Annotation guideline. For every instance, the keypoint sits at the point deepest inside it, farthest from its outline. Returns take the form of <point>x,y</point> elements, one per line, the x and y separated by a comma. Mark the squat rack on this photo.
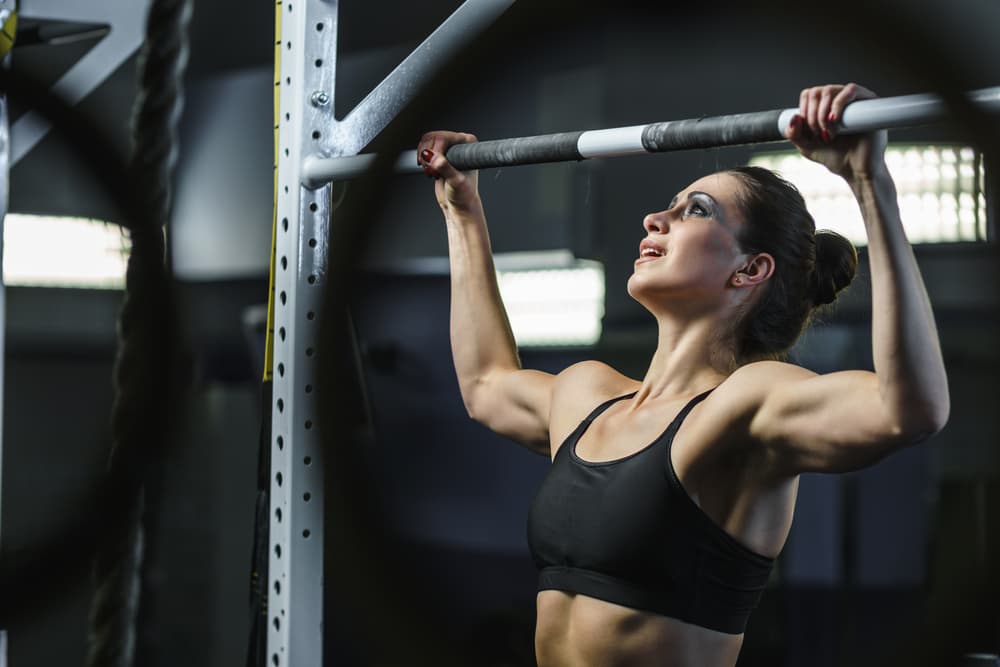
<point>313,147</point>
<point>306,54</point>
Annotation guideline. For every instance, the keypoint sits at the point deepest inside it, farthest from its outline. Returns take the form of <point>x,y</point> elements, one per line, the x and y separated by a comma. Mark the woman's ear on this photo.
<point>757,270</point>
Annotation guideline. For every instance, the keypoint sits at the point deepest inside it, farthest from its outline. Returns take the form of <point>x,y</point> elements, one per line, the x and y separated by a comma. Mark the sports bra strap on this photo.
<point>596,412</point>
<point>693,402</point>
<point>679,419</point>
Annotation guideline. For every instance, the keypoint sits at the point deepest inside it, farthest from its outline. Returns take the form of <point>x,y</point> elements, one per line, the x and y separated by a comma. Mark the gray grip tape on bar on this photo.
<point>746,128</point>
<point>507,152</point>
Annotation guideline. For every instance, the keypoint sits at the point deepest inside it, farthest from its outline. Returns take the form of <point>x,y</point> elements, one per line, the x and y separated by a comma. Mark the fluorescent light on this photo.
<point>552,299</point>
<point>55,251</point>
<point>940,192</point>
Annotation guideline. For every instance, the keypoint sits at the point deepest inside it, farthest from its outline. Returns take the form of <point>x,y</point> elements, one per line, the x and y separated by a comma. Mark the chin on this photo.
<point>637,290</point>
<point>632,287</point>
<point>639,282</point>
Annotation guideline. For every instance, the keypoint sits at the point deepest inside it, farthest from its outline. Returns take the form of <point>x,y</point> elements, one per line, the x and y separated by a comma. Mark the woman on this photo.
<point>654,545</point>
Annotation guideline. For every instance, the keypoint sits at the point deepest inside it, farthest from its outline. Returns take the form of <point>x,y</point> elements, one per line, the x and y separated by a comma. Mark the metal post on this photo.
<point>7,18</point>
<point>7,9</point>
<point>308,35</point>
<point>307,126</point>
<point>711,132</point>
<point>4,184</point>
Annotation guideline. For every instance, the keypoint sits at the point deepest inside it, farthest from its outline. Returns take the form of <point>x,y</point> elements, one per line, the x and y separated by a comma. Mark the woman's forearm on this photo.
<point>905,346</point>
<point>481,338</point>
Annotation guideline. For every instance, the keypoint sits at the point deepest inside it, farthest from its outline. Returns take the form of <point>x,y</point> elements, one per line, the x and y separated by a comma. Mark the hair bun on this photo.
<point>836,264</point>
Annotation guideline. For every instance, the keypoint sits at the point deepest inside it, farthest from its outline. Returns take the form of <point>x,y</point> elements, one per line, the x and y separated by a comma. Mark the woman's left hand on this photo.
<point>814,132</point>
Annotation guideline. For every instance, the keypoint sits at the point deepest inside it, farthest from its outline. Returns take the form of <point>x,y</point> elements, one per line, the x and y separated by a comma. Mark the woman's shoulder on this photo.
<point>720,425</point>
<point>579,389</point>
<point>749,385</point>
<point>765,371</point>
<point>588,379</point>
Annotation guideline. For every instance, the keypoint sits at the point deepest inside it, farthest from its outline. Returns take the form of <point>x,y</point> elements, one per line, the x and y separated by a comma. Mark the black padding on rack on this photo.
<point>732,130</point>
<point>559,147</point>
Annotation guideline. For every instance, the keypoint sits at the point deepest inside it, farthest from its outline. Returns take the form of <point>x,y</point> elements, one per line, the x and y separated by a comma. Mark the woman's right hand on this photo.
<point>456,190</point>
<point>813,131</point>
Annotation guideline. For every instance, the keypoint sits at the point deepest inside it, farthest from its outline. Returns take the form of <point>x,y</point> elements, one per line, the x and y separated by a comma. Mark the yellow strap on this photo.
<point>8,33</point>
<point>269,342</point>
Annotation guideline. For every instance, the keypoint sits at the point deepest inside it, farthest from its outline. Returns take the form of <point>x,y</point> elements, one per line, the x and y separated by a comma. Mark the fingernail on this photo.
<point>832,117</point>
<point>826,136</point>
<point>427,155</point>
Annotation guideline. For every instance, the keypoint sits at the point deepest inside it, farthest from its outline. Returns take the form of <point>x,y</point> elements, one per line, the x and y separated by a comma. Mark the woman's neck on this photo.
<point>689,358</point>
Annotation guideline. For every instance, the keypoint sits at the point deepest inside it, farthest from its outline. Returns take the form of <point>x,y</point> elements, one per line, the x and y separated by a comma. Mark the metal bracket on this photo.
<point>363,123</point>
<point>127,20</point>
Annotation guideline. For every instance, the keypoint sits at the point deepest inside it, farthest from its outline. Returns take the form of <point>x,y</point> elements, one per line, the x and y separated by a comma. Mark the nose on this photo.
<point>656,222</point>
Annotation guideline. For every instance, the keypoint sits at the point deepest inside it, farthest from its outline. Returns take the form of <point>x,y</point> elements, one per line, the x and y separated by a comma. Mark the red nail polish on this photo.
<point>832,117</point>
<point>826,136</point>
<point>427,155</point>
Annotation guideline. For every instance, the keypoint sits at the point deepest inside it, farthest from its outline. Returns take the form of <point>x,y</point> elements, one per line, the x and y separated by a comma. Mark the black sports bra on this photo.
<point>626,531</point>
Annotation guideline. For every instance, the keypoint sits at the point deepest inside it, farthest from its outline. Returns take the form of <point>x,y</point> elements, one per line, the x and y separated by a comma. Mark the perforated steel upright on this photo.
<point>295,606</point>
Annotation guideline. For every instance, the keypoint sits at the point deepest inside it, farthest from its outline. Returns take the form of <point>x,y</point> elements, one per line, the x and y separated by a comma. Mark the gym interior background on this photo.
<point>866,548</point>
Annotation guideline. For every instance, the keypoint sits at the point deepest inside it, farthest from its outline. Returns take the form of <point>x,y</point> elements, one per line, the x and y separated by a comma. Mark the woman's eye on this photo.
<point>696,209</point>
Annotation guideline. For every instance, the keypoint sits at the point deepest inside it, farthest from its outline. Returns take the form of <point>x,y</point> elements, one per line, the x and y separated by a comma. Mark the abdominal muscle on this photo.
<point>581,631</point>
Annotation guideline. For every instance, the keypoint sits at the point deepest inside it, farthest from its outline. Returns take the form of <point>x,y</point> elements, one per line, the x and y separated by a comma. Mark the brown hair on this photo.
<point>811,266</point>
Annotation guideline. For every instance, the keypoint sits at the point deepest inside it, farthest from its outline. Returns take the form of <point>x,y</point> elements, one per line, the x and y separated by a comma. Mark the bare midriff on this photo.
<point>580,631</point>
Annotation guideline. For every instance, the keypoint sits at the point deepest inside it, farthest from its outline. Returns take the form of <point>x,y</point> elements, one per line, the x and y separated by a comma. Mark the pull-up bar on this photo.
<point>710,132</point>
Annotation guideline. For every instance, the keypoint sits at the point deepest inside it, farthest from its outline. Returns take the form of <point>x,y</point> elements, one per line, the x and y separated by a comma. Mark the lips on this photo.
<point>648,250</point>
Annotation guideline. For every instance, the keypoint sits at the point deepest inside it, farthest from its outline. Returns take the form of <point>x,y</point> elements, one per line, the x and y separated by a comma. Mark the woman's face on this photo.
<point>690,251</point>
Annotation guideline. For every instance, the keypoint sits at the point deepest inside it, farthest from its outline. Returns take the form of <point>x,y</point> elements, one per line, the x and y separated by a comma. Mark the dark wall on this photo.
<point>60,349</point>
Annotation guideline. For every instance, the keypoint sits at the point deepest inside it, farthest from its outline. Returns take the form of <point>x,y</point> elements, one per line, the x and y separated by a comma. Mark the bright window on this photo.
<point>940,188</point>
<point>50,251</point>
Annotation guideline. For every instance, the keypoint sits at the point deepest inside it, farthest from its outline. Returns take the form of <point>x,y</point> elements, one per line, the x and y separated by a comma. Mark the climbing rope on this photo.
<point>146,369</point>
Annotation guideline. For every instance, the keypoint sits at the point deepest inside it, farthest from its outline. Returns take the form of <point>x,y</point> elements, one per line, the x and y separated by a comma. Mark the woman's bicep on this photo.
<point>827,423</point>
<point>515,404</point>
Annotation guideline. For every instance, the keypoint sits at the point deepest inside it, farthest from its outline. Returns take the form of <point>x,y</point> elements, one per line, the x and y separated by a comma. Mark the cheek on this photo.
<point>719,251</point>
<point>719,242</point>
<point>706,250</point>
<point>705,264</point>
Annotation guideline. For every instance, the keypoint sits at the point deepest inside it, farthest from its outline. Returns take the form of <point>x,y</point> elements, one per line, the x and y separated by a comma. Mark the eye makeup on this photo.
<point>705,200</point>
